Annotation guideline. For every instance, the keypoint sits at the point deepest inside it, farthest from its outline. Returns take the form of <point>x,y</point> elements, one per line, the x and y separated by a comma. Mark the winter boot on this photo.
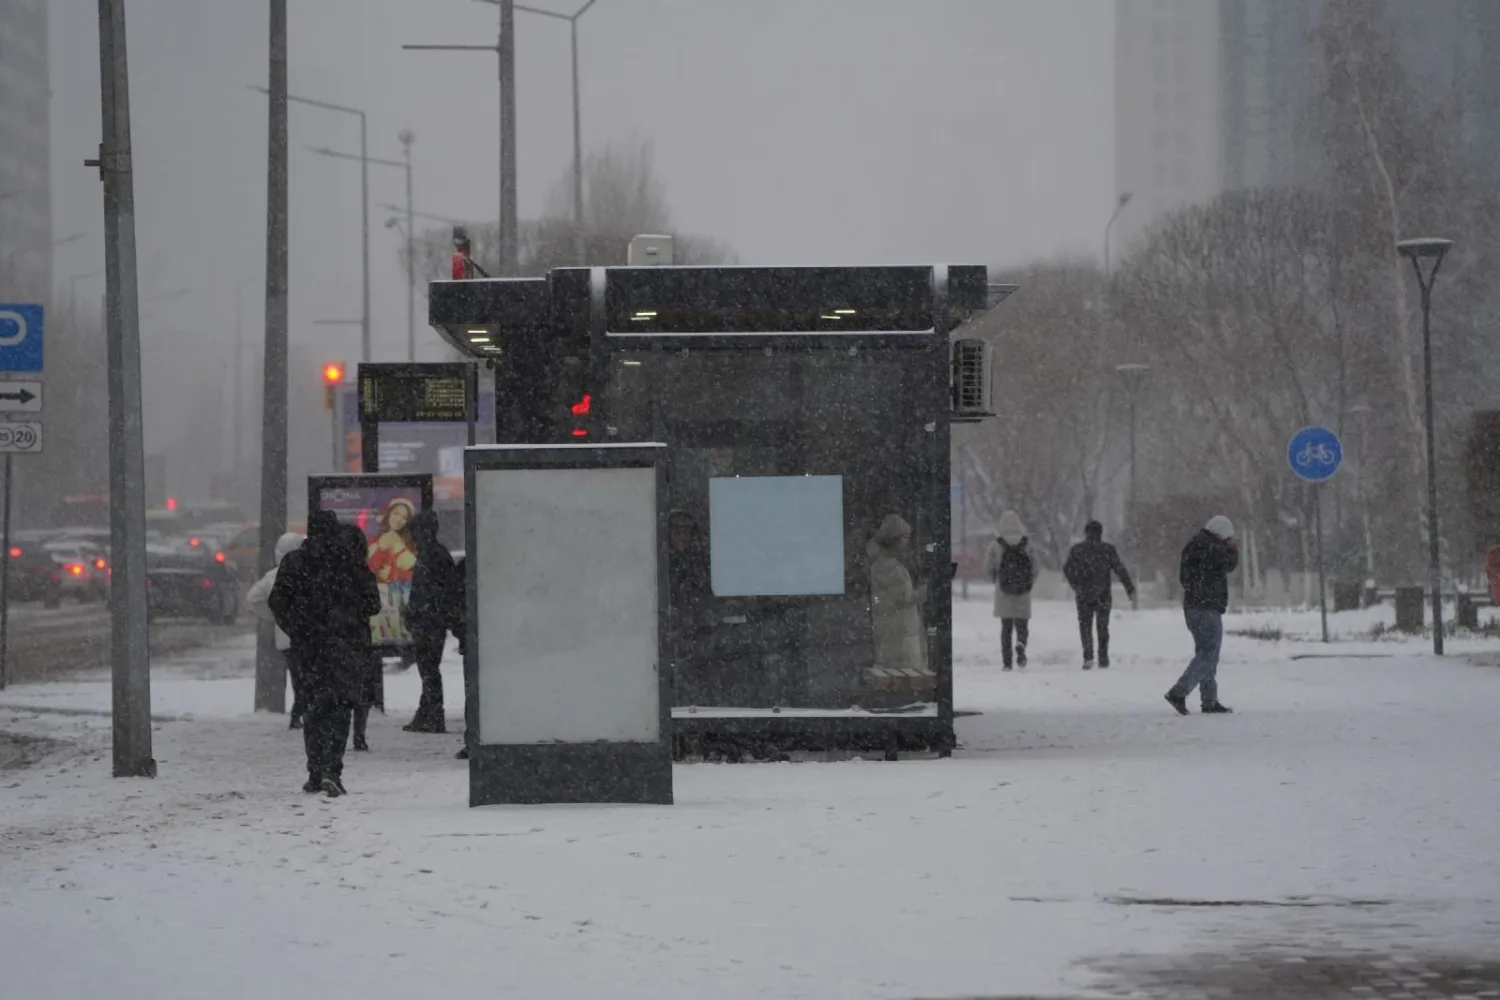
<point>1021,657</point>
<point>1088,664</point>
<point>361,720</point>
<point>462,754</point>
<point>333,788</point>
<point>1178,702</point>
<point>1217,708</point>
<point>314,784</point>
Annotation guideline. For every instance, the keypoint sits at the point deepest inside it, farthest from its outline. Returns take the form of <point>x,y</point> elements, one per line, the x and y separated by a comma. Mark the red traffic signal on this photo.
<point>333,373</point>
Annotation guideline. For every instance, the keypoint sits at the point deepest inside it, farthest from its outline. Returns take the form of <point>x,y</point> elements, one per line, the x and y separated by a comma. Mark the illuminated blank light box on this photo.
<point>776,536</point>
<point>568,698</point>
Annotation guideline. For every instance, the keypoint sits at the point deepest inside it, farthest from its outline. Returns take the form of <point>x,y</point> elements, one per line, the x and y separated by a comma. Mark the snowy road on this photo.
<point>1350,806</point>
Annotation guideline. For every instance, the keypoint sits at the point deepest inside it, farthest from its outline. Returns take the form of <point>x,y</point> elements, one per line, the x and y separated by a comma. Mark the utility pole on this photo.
<point>238,419</point>
<point>505,49</point>
<point>407,137</point>
<point>270,680</point>
<point>129,634</point>
<point>509,237</point>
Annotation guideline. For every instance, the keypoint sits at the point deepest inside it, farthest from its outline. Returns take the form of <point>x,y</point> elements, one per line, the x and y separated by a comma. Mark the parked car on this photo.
<point>191,581</point>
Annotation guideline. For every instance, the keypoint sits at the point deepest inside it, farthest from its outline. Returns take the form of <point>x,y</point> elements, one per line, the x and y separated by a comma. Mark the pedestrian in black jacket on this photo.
<point>1090,570</point>
<point>435,587</point>
<point>324,598</point>
<point>1207,561</point>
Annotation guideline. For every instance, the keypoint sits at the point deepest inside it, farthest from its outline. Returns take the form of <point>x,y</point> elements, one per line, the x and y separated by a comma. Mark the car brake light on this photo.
<point>218,557</point>
<point>193,542</point>
<point>208,584</point>
<point>75,568</point>
<point>15,552</point>
<point>99,564</point>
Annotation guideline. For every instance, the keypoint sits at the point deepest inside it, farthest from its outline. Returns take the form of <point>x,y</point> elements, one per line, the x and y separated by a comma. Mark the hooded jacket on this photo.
<point>436,587</point>
<point>258,598</point>
<point>895,604</point>
<point>1207,561</point>
<point>324,598</point>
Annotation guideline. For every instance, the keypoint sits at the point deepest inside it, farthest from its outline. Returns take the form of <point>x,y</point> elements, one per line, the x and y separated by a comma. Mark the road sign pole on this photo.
<point>1317,492</point>
<point>1315,454</point>
<point>5,576</point>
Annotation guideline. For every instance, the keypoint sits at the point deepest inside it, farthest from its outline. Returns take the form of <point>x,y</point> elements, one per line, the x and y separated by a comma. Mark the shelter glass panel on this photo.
<point>853,421</point>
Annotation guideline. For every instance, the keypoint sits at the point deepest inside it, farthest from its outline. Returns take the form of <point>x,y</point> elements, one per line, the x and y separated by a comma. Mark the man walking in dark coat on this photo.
<point>1090,570</point>
<point>1207,561</point>
<point>324,598</point>
<point>435,586</point>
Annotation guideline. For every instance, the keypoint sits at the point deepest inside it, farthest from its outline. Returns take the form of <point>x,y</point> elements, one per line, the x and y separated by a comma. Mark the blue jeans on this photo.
<point>1207,628</point>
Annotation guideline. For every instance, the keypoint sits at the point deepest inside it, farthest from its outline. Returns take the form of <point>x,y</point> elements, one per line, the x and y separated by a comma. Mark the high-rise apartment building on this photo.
<point>25,152</point>
<point>1215,95</point>
<point>1167,108</point>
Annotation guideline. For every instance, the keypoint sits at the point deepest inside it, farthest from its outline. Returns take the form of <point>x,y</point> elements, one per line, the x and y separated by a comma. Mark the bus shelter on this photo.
<point>806,416</point>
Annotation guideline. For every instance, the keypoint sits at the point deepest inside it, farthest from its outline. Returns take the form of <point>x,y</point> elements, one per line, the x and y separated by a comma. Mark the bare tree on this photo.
<point>1049,454</point>
<point>623,197</point>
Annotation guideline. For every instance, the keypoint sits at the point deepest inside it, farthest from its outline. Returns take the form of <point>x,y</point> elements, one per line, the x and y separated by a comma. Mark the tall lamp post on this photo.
<point>407,138</point>
<point>1132,374</point>
<point>364,208</point>
<point>1124,200</point>
<point>1362,411</point>
<point>580,247</point>
<point>1418,251</point>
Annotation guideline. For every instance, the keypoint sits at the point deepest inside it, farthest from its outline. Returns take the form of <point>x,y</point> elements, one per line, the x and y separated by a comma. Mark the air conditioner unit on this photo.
<point>649,251</point>
<point>971,380</point>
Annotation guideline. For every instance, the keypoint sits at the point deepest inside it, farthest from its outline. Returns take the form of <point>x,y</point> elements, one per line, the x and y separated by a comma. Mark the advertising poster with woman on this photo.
<point>383,507</point>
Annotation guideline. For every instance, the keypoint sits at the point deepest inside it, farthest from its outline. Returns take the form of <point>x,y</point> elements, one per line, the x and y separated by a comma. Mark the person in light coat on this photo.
<point>258,600</point>
<point>895,603</point>
<point>1009,565</point>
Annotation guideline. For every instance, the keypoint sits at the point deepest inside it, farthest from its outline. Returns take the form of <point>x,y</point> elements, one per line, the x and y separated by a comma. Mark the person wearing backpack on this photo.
<point>1009,565</point>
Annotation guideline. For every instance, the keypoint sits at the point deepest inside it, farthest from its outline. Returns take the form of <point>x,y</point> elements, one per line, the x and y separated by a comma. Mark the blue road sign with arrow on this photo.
<point>20,337</point>
<point>1315,454</point>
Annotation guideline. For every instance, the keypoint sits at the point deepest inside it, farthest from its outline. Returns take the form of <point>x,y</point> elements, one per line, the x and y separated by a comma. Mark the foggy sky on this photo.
<point>794,131</point>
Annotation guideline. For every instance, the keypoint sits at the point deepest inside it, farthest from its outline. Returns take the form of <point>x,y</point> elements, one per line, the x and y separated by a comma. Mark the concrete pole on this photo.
<point>129,631</point>
<point>270,678</point>
<point>509,227</point>
<point>580,245</point>
<point>364,229</point>
<point>407,138</point>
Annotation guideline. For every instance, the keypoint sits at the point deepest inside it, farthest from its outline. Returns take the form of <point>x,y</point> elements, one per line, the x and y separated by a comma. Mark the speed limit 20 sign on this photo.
<point>22,437</point>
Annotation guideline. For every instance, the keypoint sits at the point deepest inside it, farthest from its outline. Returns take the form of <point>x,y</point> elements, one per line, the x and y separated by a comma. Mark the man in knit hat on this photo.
<point>1207,561</point>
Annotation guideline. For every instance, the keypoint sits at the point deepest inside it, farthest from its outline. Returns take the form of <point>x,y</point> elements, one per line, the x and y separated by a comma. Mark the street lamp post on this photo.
<point>1361,492</point>
<point>364,208</point>
<point>1419,250</point>
<point>407,138</point>
<point>580,248</point>
<point>1132,373</point>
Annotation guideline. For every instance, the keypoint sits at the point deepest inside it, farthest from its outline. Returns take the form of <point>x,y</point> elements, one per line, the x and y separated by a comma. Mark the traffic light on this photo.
<point>333,377</point>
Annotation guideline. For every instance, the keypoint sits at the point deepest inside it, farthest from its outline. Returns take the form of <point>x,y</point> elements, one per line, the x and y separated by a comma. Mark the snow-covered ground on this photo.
<point>1078,804</point>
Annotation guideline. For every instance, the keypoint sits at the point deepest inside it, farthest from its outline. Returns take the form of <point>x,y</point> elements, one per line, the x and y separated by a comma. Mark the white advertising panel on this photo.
<point>566,567</point>
<point>776,536</point>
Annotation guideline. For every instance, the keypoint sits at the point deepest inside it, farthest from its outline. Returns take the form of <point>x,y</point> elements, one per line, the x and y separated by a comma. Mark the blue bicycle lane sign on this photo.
<point>1315,454</point>
<point>20,337</point>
